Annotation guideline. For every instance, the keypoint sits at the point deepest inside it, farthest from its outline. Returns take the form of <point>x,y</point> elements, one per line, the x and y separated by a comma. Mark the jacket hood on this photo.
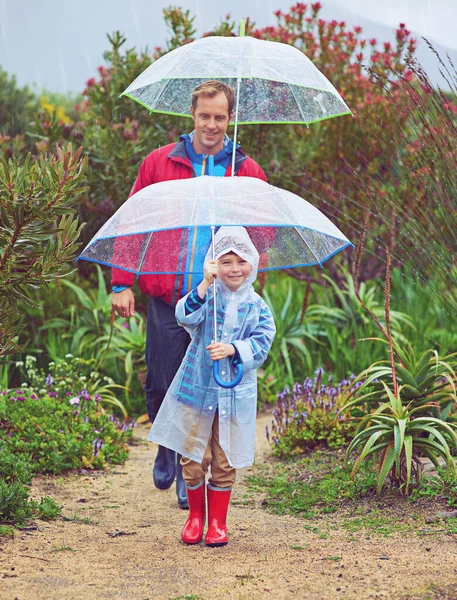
<point>221,156</point>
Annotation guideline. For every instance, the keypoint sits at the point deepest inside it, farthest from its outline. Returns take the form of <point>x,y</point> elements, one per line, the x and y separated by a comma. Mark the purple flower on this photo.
<point>49,380</point>
<point>98,445</point>
<point>33,397</point>
<point>52,394</point>
<point>74,400</point>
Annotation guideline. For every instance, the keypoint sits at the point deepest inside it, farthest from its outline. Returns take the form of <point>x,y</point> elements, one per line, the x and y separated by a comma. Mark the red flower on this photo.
<point>358,29</point>
<point>408,75</point>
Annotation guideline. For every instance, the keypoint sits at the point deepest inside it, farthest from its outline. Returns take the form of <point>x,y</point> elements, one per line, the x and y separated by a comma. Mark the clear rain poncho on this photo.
<point>185,419</point>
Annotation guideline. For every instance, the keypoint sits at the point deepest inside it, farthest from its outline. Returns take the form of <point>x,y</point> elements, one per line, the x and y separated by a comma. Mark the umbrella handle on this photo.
<point>227,384</point>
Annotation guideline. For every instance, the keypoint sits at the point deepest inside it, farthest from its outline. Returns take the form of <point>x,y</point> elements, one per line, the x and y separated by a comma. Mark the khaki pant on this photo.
<point>222,474</point>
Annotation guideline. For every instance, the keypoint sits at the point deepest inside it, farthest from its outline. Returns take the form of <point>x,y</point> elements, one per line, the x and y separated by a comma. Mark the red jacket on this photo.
<point>165,164</point>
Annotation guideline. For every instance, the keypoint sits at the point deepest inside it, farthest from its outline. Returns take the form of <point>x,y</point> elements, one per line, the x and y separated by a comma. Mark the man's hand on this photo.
<point>124,303</point>
<point>220,350</point>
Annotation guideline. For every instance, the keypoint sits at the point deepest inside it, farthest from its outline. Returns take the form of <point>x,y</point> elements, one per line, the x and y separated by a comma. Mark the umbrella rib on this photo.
<point>297,102</point>
<point>143,254</point>
<point>307,245</point>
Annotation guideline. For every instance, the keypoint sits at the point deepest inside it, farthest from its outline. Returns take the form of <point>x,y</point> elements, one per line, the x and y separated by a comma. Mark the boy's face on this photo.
<point>233,270</point>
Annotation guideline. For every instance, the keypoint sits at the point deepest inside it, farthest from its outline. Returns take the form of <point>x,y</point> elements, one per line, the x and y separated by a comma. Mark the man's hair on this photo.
<point>211,88</point>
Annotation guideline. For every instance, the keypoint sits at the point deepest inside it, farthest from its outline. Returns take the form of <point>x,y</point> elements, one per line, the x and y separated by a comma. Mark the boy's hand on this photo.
<point>210,270</point>
<point>220,350</point>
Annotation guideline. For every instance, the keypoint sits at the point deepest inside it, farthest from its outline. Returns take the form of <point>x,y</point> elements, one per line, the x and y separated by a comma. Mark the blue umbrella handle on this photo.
<point>227,384</point>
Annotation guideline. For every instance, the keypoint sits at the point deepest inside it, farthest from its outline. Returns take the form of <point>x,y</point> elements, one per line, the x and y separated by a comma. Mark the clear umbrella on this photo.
<point>149,234</point>
<point>275,82</point>
<point>279,84</point>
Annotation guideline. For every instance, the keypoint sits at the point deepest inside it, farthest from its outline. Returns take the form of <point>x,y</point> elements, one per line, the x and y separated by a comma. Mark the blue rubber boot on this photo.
<point>164,471</point>
<point>181,485</point>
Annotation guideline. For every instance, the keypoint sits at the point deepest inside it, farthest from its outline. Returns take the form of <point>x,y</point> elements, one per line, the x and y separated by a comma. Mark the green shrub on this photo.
<point>15,505</point>
<point>52,428</point>
<point>55,435</point>
<point>74,378</point>
<point>39,231</point>
<point>308,416</point>
<point>403,415</point>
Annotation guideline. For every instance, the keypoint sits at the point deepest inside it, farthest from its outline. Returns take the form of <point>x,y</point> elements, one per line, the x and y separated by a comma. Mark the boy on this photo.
<point>208,424</point>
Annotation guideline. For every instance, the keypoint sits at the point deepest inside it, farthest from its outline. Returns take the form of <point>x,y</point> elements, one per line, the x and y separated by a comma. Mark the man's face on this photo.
<point>211,119</point>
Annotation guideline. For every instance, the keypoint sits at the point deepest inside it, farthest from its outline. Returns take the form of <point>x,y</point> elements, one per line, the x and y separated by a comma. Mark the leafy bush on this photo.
<point>39,229</point>
<point>54,424</point>
<point>55,435</point>
<point>322,325</point>
<point>404,415</point>
<point>75,318</point>
<point>73,378</point>
<point>309,417</point>
<point>15,505</point>
<point>20,102</point>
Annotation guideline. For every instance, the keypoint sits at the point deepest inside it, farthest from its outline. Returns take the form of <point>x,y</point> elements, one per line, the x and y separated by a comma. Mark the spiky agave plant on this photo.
<point>400,434</point>
<point>408,401</point>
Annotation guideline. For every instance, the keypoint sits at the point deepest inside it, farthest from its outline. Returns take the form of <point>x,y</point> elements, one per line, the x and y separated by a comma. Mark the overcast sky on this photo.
<point>58,44</point>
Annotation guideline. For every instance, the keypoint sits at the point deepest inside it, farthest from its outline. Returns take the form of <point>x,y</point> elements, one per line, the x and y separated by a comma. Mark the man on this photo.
<point>206,151</point>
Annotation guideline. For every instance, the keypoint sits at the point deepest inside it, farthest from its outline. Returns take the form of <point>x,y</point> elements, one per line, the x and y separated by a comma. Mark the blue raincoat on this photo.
<point>194,400</point>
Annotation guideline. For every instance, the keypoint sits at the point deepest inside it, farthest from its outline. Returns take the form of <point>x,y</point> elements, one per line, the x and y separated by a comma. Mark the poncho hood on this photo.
<point>235,239</point>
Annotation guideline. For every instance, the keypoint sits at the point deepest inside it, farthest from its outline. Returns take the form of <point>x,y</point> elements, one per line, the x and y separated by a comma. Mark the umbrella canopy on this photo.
<point>144,235</point>
<point>277,83</point>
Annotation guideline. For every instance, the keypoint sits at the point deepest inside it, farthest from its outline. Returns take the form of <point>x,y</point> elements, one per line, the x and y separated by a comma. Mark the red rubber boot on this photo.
<point>218,503</point>
<point>193,528</point>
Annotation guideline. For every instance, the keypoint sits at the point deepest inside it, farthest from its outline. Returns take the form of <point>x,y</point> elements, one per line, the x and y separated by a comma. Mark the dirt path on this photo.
<point>268,556</point>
